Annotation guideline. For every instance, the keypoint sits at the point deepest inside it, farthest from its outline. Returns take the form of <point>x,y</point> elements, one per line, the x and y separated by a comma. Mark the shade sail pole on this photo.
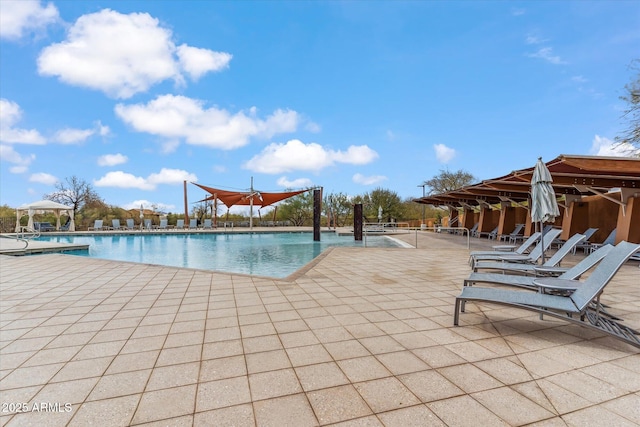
<point>251,206</point>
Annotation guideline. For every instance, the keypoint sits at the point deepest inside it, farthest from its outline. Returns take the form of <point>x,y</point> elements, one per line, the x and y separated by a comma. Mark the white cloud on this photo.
<point>602,146</point>
<point>122,179</point>
<point>444,154</point>
<point>296,183</point>
<point>43,178</point>
<point>10,115</point>
<point>368,180</point>
<point>579,79</point>
<point>20,17</point>
<point>8,154</point>
<point>313,127</point>
<point>197,62</point>
<point>122,55</point>
<point>296,155</point>
<point>180,118</point>
<point>71,136</point>
<point>219,168</point>
<point>517,12</point>
<point>112,159</point>
<point>546,53</point>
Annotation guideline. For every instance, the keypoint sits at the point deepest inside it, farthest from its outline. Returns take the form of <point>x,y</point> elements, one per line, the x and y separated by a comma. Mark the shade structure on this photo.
<point>44,206</point>
<point>257,198</point>
<point>544,206</point>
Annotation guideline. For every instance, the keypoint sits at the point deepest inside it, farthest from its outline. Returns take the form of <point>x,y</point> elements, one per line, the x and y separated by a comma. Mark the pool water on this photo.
<point>265,254</point>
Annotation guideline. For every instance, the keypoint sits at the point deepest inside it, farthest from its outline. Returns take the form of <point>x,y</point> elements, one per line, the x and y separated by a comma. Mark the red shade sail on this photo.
<point>259,198</point>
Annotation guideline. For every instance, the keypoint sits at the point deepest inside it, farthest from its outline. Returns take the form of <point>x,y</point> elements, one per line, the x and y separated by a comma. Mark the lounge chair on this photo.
<point>115,224</point>
<point>530,258</point>
<point>130,224</point>
<point>193,223</point>
<point>527,281</point>
<point>610,240</point>
<point>163,224</point>
<point>97,225</point>
<point>577,307</point>
<point>493,234</point>
<point>180,224</point>
<point>515,233</point>
<point>472,230</point>
<point>147,224</point>
<point>521,250</point>
<point>525,266</point>
<point>207,225</point>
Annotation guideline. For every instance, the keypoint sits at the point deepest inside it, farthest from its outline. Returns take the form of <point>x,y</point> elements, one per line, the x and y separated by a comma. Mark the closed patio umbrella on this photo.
<point>544,206</point>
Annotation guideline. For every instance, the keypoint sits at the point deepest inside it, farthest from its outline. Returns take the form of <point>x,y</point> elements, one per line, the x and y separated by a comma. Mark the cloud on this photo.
<point>122,179</point>
<point>196,62</point>
<point>10,115</point>
<point>296,155</point>
<point>180,118</point>
<point>518,12</point>
<point>122,55</point>
<point>20,17</point>
<point>546,53</point>
<point>70,136</point>
<point>219,168</point>
<point>43,178</point>
<point>296,183</point>
<point>579,79</point>
<point>8,154</point>
<point>112,159</point>
<point>444,154</point>
<point>368,180</point>
<point>602,146</point>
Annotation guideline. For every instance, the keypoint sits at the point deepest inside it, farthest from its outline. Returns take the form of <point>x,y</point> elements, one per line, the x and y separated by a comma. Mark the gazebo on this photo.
<point>44,206</point>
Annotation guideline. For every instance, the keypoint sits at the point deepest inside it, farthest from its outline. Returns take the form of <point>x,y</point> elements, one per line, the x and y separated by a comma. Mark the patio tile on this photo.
<point>551,397</point>
<point>469,378</point>
<point>593,389</point>
<point>587,416</point>
<point>417,416</point>
<point>177,355</point>
<point>380,345</point>
<point>143,344</point>
<point>173,376</point>
<point>75,391</point>
<point>346,349</point>
<point>338,404</point>
<point>133,362</point>
<point>259,344</point>
<point>321,375</point>
<point>225,367</point>
<point>232,416</point>
<point>430,385</point>
<point>166,403</point>
<point>464,411</point>
<point>386,394</point>
<point>109,412</point>
<point>308,355</point>
<point>267,385</point>
<point>286,411</point>
<point>298,339</point>
<point>215,350</point>
<point>121,384</point>
<point>222,393</point>
<point>43,357</point>
<point>363,369</point>
<point>267,361</point>
<point>257,330</point>
<point>295,325</point>
<point>511,406</point>
<point>504,370</point>
<point>626,406</point>
<point>402,362</point>
<point>25,377</point>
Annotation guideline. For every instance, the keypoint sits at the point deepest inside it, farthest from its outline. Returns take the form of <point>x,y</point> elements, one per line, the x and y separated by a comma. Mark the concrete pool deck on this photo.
<point>363,337</point>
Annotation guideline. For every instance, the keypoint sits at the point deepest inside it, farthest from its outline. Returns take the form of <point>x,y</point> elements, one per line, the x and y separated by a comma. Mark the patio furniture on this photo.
<point>581,306</point>
<point>130,224</point>
<point>193,224</point>
<point>610,240</point>
<point>163,224</point>
<point>548,268</point>
<point>207,224</point>
<point>97,225</point>
<point>515,233</point>
<point>477,255</point>
<point>115,225</point>
<point>180,224</point>
<point>527,281</point>
<point>147,224</point>
<point>530,258</point>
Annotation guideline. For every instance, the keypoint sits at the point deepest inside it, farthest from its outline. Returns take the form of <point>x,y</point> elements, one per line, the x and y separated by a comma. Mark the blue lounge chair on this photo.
<point>180,224</point>
<point>193,223</point>
<point>97,225</point>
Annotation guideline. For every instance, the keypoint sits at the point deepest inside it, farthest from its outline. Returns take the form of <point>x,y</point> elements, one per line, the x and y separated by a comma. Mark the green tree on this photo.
<point>340,206</point>
<point>75,192</point>
<point>297,209</point>
<point>630,138</point>
<point>447,181</point>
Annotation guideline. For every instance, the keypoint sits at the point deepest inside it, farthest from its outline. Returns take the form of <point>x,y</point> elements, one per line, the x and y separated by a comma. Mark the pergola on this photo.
<point>44,206</point>
<point>616,179</point>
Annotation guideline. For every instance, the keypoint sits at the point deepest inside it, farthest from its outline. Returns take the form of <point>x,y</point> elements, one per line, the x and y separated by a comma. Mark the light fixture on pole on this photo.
<point>423,207</point>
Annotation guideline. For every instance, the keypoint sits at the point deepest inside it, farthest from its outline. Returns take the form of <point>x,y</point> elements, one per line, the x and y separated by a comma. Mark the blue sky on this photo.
<point>136,97</point>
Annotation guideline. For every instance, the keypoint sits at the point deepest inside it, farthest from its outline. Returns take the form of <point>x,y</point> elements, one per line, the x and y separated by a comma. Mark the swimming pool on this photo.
<point>264,254</point>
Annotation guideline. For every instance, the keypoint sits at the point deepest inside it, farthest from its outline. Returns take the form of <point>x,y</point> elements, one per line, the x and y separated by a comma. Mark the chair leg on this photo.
<point>456,315</point>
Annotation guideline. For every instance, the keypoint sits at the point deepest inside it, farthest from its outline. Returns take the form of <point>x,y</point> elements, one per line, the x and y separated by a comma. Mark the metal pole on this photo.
<point>251,206</point>
<point>423,206</point>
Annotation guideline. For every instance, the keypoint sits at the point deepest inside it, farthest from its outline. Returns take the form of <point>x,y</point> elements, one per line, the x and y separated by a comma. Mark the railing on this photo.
<point>380,227</point>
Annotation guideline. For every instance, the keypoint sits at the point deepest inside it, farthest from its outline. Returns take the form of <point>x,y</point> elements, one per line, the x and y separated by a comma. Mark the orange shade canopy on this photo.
<point>258,198</point>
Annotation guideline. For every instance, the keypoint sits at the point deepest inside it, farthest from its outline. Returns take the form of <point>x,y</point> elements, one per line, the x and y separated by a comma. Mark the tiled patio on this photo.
<point>364,337</point>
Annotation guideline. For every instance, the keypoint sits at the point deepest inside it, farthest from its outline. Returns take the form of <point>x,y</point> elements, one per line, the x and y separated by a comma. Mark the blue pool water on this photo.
<point>272,254</point>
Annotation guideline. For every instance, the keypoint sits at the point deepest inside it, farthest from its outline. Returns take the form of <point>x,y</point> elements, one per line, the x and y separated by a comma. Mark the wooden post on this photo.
<point>317,211</point>
<point>357,222</point>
